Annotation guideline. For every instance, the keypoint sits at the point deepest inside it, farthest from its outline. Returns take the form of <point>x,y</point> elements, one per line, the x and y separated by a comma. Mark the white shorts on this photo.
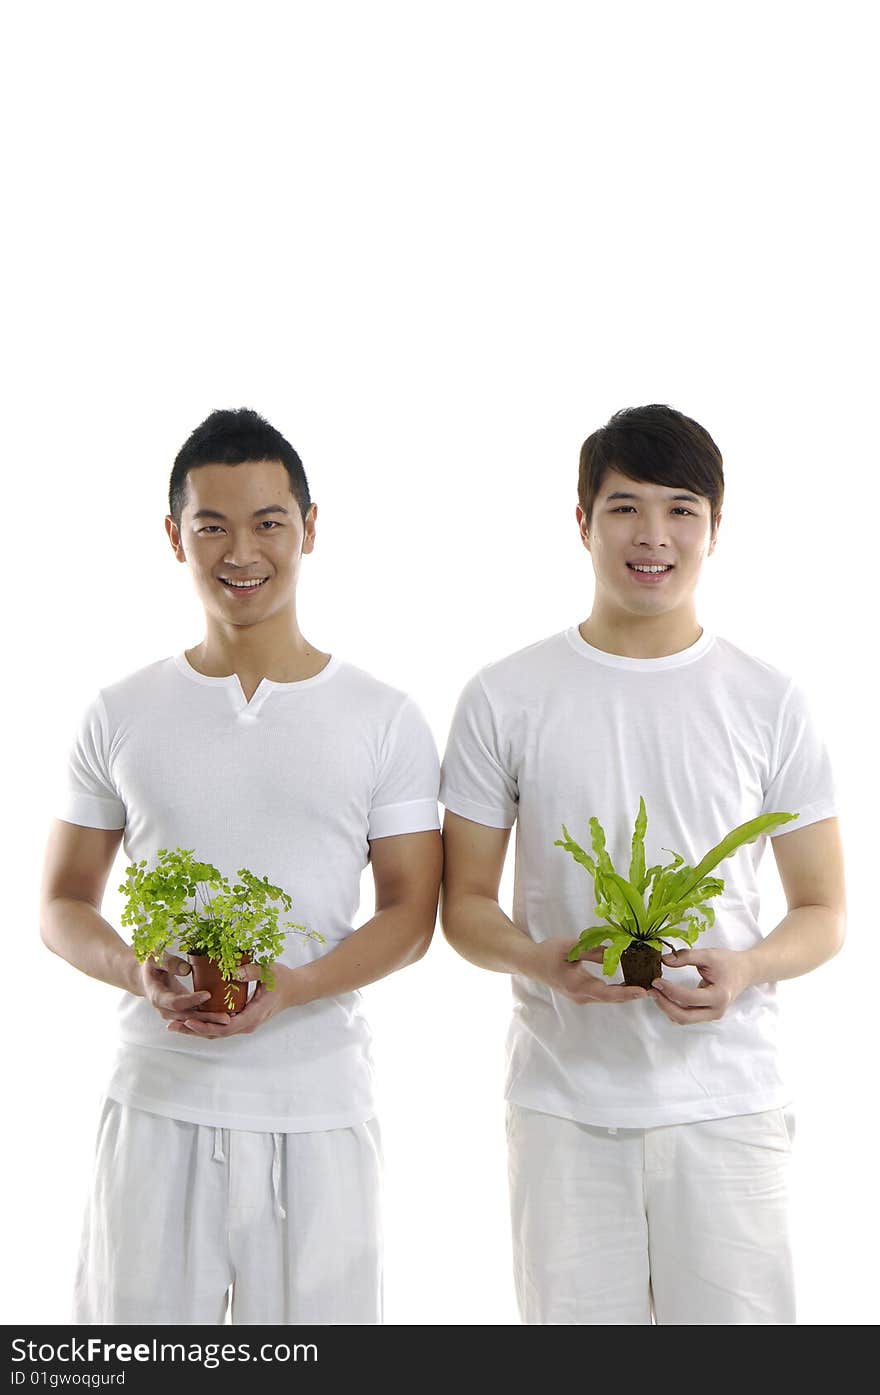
<point>688,1221</point>
<point>184,1218</point>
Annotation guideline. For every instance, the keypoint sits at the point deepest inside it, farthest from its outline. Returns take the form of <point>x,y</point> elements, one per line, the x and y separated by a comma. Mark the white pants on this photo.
<point>181,1213</point>
<point>689,1220</point>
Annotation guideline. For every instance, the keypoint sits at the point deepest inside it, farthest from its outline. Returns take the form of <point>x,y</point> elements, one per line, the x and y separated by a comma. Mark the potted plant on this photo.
<point>191,905</point>
<point>672,898</point>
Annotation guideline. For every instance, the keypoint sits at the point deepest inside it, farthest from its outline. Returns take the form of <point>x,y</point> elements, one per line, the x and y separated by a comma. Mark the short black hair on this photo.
<point>657,445</point>
<point>232,438</point>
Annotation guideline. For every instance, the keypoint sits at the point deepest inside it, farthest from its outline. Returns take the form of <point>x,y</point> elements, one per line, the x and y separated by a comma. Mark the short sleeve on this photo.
<point>88,795</point>
<point>475,782</point>
<point>405,794</point>
<point>801,780</point>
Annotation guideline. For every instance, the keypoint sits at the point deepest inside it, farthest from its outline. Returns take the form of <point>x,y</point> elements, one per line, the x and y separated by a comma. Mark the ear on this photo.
<point>173,532</point>
<point>714,536</point>
<point>309,522</point>
<point>582,526</point>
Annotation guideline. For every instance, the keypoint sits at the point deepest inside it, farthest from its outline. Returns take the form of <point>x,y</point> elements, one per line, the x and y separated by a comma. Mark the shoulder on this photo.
<point>368,696</point>
<point>143,687</point>
<point>524,672</point>
<point>750,673</point>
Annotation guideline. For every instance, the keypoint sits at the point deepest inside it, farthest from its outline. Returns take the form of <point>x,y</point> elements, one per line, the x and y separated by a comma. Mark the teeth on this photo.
<point>242,585</point>
<point>636,568</point>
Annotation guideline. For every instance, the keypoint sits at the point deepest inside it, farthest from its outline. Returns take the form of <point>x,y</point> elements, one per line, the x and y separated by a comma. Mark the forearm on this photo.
<point>75,931</point>
<point>394,937</point>
<point>480,932</point>
<point>804,939</point>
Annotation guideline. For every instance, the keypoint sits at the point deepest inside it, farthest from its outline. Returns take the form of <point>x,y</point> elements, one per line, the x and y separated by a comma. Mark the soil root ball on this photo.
<point>641,965</point>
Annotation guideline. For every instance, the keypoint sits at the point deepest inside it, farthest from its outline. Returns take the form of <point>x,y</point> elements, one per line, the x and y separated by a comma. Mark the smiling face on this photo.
<point>648,543</point>
<point>242,524</point>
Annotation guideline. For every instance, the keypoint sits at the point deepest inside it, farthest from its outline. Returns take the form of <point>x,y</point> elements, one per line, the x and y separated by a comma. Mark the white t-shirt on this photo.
<point>710,737</point>
<point>292,786</point>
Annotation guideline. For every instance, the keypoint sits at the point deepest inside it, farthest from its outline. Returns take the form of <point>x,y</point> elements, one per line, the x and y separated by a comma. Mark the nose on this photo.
<point>651,529</point>
<point>243,548</point>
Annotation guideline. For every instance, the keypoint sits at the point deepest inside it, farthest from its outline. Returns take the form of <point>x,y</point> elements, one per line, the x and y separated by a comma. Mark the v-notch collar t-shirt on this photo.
<point>245,707</point>
<point>710,737</point>
<point>293,786</point>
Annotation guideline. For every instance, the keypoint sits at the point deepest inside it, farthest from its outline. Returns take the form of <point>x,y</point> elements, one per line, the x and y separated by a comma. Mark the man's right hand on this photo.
<point>550,965</point>
<point>162,989</point>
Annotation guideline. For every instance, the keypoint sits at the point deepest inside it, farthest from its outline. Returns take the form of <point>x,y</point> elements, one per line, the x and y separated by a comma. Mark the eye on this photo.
<point>209,527</point>
<point>271,522</point>
<point>679,508</point>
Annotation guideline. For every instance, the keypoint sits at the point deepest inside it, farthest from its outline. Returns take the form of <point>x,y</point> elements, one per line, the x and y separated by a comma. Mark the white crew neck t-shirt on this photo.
<point>291,785</point>
<point>710,737</point>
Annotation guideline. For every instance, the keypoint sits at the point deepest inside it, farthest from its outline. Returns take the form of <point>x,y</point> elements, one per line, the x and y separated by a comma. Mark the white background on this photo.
<point>437,245</point>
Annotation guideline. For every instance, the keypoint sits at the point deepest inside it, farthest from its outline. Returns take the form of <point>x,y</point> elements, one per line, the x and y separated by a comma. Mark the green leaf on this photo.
<point>637,861</point>
<point>744,833</point>
<point>665,881</point>
<point>589,939</point>
<point>603,859</point>
<point>611,957</point>
<point>649,877</point>
<point>689,935</point>
<point>633,900</point>
<point>737,838</point>
<point>576,851</point>
<point>615,903</point>
<point>672,913</point>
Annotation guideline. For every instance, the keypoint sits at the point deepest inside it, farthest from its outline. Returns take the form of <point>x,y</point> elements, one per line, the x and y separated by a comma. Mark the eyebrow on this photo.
<point>257,513</point>
<point>623,494</point>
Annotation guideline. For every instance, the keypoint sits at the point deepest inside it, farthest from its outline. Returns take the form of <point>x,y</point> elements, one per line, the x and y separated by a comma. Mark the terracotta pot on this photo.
<point>641,965</point>
<point>206,975</point>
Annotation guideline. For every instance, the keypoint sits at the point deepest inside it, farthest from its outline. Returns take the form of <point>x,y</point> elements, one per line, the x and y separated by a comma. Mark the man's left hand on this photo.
<point>724,974</point>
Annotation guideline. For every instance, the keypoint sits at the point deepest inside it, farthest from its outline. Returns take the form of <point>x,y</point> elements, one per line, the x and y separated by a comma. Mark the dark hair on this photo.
<point>655,444</point>
<point>231,438</point>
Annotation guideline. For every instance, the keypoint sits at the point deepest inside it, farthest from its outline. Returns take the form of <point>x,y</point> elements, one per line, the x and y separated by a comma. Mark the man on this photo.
<point>647,1132</point>
<point>241,1154</point>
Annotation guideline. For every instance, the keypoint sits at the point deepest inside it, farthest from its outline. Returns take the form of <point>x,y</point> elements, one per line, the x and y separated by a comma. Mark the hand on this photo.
<point>550,966</point>
<point>724,975</point>
<point>264,1003</point>
<point>162,989</point>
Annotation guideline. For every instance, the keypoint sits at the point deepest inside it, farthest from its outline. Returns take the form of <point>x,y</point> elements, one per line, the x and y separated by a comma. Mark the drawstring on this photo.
<point>276,1176</point>
<point>219,1156</point>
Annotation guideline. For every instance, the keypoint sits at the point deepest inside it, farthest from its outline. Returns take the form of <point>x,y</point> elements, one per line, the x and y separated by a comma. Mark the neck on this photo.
<point>640,636</point>
<point>274,649</point>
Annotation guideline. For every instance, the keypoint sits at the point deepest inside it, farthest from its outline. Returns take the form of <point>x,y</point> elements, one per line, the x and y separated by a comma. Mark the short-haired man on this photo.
<point>648,1132</point>
<point>238,1158</point>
